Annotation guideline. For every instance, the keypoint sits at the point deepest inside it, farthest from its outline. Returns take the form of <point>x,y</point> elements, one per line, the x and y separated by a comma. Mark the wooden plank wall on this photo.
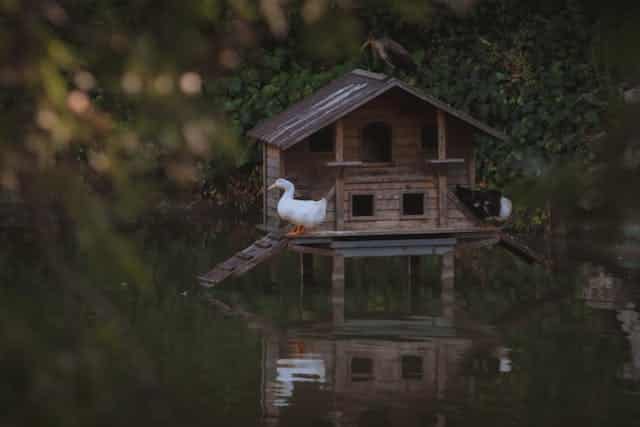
<point>405,122</point>
<point>265,184</point>
<point>272,172</point>
<point>386,377</point>
<point>456,218</point>
<point>308,171</point>
<point>387,204</point>
<point>408,172</point>
<point>443,218</point>
<point>305,169</point>
<point>461,146</point>
<point>339,156</point>
<point>406,117</point>
<point>312,178</point>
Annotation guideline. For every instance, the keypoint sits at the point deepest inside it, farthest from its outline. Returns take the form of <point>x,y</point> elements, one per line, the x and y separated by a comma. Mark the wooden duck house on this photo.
<point>389,156</point>
<point>392,153</point>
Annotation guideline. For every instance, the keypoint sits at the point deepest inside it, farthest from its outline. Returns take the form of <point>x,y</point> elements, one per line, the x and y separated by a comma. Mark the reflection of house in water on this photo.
<point>392,370</point>
<point>605,292</point>
<point>601,290</point>
<point>629,319</point>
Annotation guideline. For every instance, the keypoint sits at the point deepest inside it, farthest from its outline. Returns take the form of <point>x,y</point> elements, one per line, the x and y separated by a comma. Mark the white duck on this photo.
<point>301,213</point>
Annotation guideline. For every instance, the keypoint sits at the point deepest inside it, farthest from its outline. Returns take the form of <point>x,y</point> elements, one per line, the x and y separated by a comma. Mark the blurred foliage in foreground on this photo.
<point>83,344</point>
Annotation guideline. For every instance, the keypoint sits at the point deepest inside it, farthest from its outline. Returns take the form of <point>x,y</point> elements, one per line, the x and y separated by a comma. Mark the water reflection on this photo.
<point>631,327</point>
<point>359,371</point>
<point>373,368</point>
<point>604,291</point>
<point>601,290</point>
<point>398,369</point>
<point>408,353</point>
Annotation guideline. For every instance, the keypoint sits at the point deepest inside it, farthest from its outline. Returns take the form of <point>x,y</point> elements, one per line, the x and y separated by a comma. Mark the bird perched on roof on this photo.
<point>390,51</point>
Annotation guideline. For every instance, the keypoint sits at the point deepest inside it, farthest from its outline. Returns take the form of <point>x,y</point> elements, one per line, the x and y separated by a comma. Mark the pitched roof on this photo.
<point>337,99</point>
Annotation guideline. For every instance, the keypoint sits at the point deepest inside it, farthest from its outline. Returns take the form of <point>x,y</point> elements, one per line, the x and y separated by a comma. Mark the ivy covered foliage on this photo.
<point>525,69</point>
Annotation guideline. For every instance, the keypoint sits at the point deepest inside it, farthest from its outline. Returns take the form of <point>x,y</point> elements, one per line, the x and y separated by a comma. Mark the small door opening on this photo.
<point>362,205</point>
<point>361,369</point>
<point>412,367</point>
<point>413,204</point>
<point>376,143</point>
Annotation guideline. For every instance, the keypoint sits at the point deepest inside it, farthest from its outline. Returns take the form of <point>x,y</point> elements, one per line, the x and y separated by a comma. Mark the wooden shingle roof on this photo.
<point>339,98</point>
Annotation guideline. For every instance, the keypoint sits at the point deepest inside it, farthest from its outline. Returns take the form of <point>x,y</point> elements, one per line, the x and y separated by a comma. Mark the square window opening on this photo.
<point>361,369</point>
<point>412,367</point>
<point>413,204</point>
<point>362,205</point>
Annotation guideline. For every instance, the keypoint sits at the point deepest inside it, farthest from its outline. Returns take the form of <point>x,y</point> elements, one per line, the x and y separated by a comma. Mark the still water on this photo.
<point>88,339</point>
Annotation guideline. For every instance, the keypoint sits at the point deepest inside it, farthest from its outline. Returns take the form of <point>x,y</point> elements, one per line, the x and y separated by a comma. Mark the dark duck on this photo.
<point>486,204</point>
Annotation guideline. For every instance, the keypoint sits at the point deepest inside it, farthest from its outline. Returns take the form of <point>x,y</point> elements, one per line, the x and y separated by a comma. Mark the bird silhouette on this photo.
<point>391,52</point>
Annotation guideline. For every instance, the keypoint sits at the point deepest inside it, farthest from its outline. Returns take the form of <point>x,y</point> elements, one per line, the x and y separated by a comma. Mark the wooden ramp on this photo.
<point>519,248</point>
<point>245,260</point>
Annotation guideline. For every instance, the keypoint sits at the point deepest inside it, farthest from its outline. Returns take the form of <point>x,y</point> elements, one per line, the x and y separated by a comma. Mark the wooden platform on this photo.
<point>245,260</point>
<point>398,246</point>
<point>374,243</point>
<point>521,249</point>
<point>455,232</point>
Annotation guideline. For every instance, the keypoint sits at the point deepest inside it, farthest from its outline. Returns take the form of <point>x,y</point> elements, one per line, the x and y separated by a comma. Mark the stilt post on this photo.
<point>337,290</point>
<point>442,170</point>
<point>306,268</point>
<point>447,277</point>
<point>413,272</point>
<point>306,275</point>
<point>339,185</point>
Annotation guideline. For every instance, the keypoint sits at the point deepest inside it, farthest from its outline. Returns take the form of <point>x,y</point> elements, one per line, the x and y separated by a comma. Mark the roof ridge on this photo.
<point>369,74</point>
<point>339,97</point>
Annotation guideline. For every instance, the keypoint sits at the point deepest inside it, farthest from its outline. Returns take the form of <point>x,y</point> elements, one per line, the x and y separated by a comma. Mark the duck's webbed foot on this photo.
<point>297,230</point>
